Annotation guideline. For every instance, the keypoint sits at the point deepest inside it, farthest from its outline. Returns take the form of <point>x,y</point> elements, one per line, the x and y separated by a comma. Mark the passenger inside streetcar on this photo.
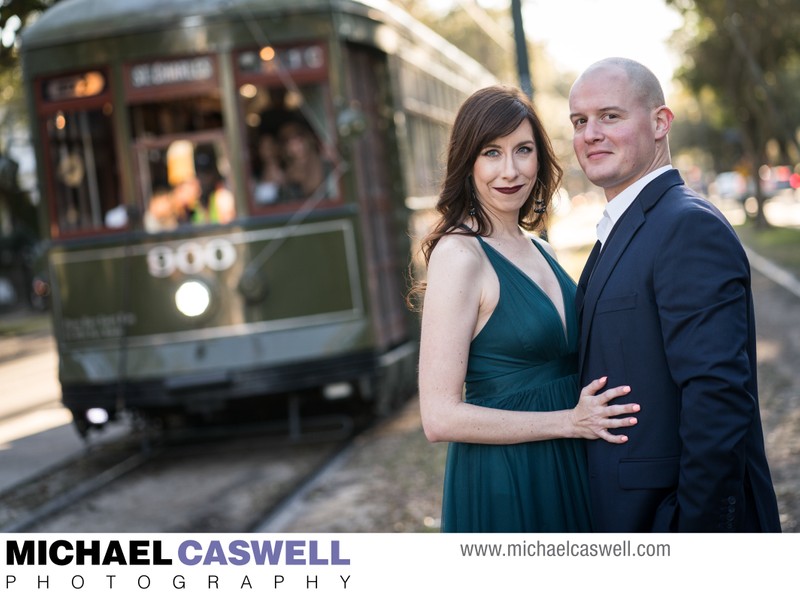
<point>162,212</point>
<point>270,177</point>
<point>216,204</point>
<point>306,170</point>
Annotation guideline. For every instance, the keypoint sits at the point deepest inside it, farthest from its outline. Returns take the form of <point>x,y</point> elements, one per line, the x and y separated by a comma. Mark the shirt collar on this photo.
<point>622,201</point>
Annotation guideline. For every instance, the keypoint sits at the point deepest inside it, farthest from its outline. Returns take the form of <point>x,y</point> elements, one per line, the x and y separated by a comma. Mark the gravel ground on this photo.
<point>779,388</point>
<point>389,481</point>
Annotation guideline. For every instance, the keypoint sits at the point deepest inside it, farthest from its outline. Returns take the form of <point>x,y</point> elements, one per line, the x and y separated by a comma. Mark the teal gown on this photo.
<point>522,359</point>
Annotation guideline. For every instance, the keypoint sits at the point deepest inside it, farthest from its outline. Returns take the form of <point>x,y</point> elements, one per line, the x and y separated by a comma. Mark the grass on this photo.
<point>779,244</point>
<point>23,322</point>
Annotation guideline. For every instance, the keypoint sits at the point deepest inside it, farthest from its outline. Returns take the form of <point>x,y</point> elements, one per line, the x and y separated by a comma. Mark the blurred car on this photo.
<point>775,179</point>
<point>731,185</point>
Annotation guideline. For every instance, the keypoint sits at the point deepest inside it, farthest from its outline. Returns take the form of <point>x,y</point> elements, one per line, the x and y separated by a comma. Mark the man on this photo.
<point>666,307</point>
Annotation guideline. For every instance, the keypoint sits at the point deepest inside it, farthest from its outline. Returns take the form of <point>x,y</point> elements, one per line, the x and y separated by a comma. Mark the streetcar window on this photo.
<point>176,116</point>
<point>292,157</point>
<point>428,127</point>
<point>182,164</point>
<point>184,182</point>
<point>285,102</point>
<point>86,185</point>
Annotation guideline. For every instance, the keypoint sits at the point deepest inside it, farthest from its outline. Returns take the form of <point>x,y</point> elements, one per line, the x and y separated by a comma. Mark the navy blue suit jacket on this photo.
<point>667,308</point>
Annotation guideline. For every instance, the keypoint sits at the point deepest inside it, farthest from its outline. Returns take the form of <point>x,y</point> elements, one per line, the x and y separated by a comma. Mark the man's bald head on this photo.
<point>643,82</point>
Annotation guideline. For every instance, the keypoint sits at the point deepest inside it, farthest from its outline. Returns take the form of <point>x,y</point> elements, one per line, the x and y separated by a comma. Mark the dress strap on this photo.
<point>478,237</point>
<point>465,227</point>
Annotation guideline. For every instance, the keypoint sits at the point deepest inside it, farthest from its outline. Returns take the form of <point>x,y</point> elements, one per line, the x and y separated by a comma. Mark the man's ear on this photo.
<point>663,121</point>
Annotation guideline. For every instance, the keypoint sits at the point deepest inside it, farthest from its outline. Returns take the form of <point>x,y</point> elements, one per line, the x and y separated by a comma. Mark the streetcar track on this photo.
<point>41,497</point>
<point>79,492</point>
<point>286,510</point>
<point>55,486</point>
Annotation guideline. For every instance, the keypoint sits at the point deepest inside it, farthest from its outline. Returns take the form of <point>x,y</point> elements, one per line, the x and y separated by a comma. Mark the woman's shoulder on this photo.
<point>456,272</point>
<point>456,241</point>
<point>456,249</point>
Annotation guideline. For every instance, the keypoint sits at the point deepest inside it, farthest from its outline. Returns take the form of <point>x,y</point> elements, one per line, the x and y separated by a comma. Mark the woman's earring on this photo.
<point>539,205</point>
<point>472,210</point>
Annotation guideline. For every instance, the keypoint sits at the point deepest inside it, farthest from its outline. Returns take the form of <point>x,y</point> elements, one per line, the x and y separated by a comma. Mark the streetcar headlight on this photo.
<point>192,298</point>
<point>97,416</point>
<point>337,390</point>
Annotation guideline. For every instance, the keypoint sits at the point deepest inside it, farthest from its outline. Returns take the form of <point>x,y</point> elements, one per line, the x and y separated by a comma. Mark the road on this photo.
<point>35,430</point>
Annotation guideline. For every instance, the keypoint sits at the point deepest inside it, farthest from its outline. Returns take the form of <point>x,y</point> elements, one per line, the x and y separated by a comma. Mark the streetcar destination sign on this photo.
<point>170,72</point>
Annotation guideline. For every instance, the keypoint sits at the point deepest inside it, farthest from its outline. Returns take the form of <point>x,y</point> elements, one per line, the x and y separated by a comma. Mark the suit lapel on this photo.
<point>594,280</point>
<point>615,246</point>
<point>586,274</point>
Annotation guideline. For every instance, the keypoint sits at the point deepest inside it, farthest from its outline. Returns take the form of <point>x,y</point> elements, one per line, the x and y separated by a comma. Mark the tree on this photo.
<point>742,55</point>
<point>14,16</point>
<point>484,35</point>
<point>487,36</point>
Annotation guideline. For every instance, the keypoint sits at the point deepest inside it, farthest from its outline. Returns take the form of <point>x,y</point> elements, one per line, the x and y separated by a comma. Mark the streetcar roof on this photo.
<point>75,20</point>
<point>78,20</point>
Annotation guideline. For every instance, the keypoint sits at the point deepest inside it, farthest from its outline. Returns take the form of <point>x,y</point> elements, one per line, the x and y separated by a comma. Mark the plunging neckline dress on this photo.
<point>522,359</point>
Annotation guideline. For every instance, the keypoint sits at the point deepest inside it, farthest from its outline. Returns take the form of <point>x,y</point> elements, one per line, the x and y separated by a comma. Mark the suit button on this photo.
<point>731,499</point>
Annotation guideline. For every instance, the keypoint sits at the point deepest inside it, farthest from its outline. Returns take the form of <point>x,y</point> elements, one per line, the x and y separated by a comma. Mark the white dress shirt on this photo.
<point>622,201</point>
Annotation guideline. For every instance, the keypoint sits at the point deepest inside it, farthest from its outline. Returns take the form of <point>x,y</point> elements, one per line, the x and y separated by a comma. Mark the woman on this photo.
<point>271,175</point>
<point>498,314</point>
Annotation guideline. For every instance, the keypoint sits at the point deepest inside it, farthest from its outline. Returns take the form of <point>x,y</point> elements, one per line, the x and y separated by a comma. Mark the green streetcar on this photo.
<point>230,195</point>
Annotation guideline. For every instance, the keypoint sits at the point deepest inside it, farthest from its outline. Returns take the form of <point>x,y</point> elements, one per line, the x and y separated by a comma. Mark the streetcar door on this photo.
<point>374,152</point>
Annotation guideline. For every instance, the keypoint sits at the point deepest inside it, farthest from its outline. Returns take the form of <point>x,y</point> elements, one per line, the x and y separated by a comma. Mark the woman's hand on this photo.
<point>592,416</point>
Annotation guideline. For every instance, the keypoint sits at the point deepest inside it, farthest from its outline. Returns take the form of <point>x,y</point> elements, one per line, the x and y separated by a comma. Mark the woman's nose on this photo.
<point>510,167</point>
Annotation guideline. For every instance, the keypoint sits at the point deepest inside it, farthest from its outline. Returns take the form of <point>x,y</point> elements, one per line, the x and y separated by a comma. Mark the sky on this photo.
<point>579,32</point>
<point>576,33</point>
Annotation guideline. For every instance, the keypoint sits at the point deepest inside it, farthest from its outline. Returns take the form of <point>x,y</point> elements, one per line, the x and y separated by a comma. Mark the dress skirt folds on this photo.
<point>524,359</point>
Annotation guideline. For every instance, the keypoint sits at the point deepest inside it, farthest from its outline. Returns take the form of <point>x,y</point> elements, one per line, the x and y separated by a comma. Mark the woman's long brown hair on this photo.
<point>490,113</point>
